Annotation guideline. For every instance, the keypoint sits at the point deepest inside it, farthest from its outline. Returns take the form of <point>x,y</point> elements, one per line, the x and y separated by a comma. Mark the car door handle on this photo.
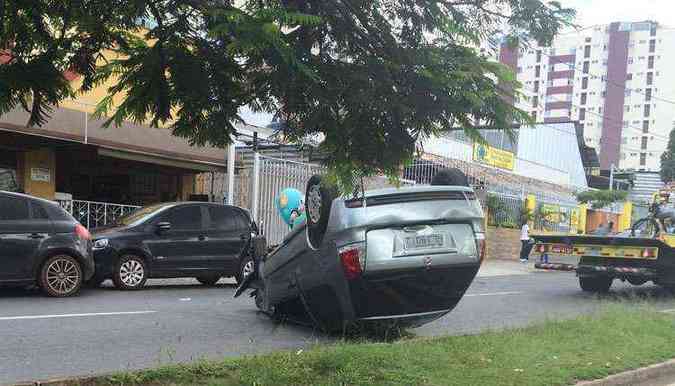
<point>36,236</point>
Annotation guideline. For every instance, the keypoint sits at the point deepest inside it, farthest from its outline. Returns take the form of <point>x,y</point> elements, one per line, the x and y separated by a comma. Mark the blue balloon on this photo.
<point>291,206</point>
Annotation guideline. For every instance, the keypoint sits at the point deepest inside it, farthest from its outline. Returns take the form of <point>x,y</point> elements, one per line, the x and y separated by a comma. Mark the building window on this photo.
<point>587,67</point>
<point>537,71</point>
<point>536,86</point>
<point>630,60</point>
<point>648,94</point>
<point>629,76</point>
<point>650,78</point>
<point>584,97</point>
<point>539,56</point>
<point>625,124</point>
<point>652,46</point>
<point>535,101</point>
<point>626,108</point>
<point>648,110</point>
<point>584,83</point>
<point>650,64</point>
<point>652,32</point>
<point>587,52</point>
<point>582,114</point>
<point>534,116</point>
<point>645,127</point>
<point>644,143</point>
<point>643,159</point>
<point>588,40</point>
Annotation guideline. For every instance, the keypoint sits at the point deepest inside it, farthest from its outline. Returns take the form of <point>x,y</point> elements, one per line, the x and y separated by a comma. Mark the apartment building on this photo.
<point>616,80</point>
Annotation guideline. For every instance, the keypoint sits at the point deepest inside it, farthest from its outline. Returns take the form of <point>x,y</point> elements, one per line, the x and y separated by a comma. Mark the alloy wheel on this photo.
<point>132,273</point>
<point>63,276</point>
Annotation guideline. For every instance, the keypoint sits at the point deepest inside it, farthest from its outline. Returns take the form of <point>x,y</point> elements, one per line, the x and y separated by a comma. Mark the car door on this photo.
<point>20,236</point>
<point>226,237</point>
<point>180,250</point>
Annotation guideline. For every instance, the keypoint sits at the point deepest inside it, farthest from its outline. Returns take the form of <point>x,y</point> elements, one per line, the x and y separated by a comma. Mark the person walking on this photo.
<point>524,242</point>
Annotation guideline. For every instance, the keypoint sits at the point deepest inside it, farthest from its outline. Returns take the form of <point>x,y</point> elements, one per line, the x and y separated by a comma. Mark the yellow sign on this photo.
<point>494,157</point>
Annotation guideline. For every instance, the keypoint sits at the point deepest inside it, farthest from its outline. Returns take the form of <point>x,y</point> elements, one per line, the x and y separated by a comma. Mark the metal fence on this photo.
<point>270,177</point>
<point>94,214</point>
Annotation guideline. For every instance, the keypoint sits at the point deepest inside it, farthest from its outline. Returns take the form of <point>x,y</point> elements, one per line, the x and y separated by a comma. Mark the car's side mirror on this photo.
<point>163,227</point>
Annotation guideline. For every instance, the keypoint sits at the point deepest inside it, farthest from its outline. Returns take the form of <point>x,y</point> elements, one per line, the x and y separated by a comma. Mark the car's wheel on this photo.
<point>451,177</point>
<point>595,284</point>
<point>318,201</point>
<point>209,280</point>
<point>130,273</point>
<point>61,276</point>
<point>246,268</point>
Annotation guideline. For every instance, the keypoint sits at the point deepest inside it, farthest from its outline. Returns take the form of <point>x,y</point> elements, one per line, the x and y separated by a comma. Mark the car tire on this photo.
<point>209,280</point>
<point>246,267</point>
<point>318,201</point>
<point>60,276</point>
<point>130,273</point>
<point>450,177</point>
<point>595,284</point>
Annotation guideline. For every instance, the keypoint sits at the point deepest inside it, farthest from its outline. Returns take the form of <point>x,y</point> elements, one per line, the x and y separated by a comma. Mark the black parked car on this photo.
<point>41,243</point>
<point>201,240</point>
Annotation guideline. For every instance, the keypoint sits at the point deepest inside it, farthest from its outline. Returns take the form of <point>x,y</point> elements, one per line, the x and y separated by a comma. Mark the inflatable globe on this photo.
<point>291,206</point>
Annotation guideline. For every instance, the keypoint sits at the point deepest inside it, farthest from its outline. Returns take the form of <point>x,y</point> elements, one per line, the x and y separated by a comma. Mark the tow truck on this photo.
<point>645,252</point>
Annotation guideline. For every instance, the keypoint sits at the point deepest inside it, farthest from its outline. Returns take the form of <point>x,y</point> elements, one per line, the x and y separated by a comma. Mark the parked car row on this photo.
<point>41,243</point>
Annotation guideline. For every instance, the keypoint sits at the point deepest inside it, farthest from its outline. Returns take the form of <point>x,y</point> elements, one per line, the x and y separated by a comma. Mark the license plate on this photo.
<point>432,241</point>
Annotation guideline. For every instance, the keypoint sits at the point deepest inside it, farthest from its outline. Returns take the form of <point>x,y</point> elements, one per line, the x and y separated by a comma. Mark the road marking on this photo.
<point>29,317</point>
<point>495,294</point>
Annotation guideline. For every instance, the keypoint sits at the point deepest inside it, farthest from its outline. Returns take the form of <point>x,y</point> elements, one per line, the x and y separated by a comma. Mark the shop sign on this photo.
<point>40,174</point>
<point>489,155</point>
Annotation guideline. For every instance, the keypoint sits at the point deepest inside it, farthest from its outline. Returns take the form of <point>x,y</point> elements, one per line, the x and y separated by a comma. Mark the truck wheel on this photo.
<point>318,201</point>
<point>595,284</point>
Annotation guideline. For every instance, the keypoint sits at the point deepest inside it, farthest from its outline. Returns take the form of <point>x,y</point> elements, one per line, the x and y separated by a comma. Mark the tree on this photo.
<point>668,160</point>
<point>601,198</point>
<point>370,77</point>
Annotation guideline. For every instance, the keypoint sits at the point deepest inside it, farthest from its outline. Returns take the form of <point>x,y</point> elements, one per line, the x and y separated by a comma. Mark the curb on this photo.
<point>634,377</point>
<point>82,381</point>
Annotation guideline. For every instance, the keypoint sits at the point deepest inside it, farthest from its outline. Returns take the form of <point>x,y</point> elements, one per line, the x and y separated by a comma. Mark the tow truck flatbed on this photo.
<point>605,258</point>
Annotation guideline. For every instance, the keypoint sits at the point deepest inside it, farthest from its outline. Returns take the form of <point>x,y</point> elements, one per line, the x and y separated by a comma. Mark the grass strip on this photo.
<point>552,353</point>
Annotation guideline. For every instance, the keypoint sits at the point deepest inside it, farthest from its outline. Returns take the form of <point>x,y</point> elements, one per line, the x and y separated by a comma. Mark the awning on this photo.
<point>199,166</point>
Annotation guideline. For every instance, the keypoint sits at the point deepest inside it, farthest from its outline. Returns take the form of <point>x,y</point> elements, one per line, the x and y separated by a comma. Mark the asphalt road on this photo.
<point>106,330</point>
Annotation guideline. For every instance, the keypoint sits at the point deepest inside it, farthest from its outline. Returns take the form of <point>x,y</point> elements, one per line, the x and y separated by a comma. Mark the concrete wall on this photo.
<point>38,170</point>
<point>503,243</point>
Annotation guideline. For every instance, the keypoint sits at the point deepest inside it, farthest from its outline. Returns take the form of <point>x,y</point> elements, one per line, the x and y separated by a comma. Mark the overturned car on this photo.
<point>398,256</point>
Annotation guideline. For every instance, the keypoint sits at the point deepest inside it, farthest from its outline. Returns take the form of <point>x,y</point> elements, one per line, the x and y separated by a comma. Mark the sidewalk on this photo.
<point>498,267</point>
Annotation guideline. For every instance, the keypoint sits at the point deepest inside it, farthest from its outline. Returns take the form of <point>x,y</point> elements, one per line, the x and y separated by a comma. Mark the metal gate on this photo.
<point>269,177</point>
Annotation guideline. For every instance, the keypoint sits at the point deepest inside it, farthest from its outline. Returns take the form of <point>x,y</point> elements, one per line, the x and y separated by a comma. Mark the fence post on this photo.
<point>230,173</point>
<point>256,186</point>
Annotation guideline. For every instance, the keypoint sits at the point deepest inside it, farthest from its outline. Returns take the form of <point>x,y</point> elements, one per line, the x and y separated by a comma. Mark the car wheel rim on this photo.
<point>62,276</point>
<point>247,270</point>
<point>314,203</point>
<point>132,273</point>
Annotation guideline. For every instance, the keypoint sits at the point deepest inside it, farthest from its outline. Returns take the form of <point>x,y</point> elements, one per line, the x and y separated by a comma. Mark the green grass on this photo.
<point>553,353</point>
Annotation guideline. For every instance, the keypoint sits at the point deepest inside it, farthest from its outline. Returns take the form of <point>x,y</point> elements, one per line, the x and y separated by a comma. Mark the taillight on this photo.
<point>649,253</point>
<point>481,244</point>
<point>353,259</point>
<point>355,203</point>
<point>82,232</point>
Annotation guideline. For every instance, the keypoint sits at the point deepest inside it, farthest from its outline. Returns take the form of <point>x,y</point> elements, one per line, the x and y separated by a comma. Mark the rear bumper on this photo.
<point>616,271</point>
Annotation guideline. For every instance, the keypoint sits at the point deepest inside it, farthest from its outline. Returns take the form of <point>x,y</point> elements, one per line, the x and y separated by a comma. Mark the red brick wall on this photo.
<point>503,243</point>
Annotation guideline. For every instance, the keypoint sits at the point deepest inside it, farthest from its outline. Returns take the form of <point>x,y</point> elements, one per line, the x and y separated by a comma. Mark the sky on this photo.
<point>593,12</point>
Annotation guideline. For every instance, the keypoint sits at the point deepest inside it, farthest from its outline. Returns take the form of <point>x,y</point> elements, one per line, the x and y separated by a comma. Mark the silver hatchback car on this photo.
<point>401,256</point>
